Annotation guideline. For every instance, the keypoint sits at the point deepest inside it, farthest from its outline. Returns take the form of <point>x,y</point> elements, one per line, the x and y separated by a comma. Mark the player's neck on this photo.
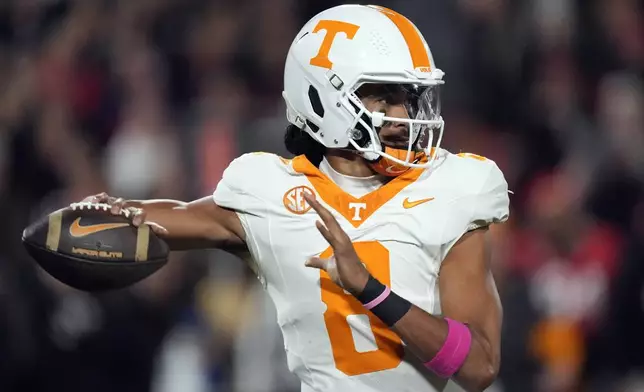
<point>348,163</point>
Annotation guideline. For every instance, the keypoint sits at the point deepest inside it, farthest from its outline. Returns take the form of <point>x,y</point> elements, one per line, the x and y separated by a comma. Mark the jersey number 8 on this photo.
<point>340,305</point>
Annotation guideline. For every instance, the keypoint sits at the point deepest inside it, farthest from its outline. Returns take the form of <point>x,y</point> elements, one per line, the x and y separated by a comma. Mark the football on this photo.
<point>86,247</point>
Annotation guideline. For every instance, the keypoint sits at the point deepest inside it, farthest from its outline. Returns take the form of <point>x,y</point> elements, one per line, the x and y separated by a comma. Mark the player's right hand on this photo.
<point>136,215</point>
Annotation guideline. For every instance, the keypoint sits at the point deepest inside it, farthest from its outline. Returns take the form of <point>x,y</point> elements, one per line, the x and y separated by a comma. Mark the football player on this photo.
<point>372,240</point>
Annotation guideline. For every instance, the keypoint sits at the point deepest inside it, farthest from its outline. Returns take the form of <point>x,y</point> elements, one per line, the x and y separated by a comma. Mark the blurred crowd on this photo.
<point>153,98</point>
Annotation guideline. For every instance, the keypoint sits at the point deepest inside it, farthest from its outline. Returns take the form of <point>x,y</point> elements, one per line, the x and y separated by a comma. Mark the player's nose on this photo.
<point>400,128</point>
<point>398,111</point>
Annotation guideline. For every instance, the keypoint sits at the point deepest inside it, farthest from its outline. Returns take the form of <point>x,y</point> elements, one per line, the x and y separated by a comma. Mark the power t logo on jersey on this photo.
<point>357,209</point>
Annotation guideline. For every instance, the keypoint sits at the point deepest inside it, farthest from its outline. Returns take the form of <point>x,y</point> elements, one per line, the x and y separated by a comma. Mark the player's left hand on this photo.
<point>344,266</point>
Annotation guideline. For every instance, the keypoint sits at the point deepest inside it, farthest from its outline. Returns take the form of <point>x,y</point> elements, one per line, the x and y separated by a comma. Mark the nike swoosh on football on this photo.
<point>76,230</point>
<point>412,204</point>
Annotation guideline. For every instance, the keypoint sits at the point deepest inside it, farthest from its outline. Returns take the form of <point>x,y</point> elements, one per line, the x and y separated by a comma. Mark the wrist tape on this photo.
<point>384,303</point>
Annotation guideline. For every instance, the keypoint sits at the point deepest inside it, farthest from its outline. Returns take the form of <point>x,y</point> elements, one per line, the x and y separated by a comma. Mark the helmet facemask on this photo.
<point>394,156</point>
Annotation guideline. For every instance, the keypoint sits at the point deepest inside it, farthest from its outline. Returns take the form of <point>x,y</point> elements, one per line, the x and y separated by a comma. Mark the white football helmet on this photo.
<point>341,49</point>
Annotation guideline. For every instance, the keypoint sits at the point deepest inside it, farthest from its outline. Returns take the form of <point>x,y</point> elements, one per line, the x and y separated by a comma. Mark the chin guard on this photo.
<point>390,168</point>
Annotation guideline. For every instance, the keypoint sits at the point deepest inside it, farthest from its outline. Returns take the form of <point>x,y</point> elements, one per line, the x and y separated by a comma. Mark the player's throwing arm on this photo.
<point>198,224</point>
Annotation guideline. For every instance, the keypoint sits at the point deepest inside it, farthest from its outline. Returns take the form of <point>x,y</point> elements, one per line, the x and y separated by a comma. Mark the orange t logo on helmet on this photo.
<point>332,28</point>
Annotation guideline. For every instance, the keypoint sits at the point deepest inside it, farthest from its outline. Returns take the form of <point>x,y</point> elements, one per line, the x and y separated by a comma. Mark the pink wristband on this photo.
<point>452,355</point>
<point>376,301</point>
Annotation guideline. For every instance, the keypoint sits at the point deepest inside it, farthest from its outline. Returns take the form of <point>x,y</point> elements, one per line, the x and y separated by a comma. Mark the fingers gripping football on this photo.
<point>118,206</point>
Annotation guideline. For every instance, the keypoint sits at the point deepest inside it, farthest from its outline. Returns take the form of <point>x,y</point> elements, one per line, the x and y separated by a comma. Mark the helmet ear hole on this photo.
<point>313,127</point>
<point>362,133</point>
<point>316,102</point>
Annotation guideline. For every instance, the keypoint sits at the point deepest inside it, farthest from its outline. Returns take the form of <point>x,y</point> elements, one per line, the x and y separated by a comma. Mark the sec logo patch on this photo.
<point>294,199</point>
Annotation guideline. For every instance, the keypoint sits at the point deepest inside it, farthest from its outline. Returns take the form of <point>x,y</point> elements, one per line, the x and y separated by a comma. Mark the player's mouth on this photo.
<point>398,141</point>
<point>394,135</point>
<point>398,144</point>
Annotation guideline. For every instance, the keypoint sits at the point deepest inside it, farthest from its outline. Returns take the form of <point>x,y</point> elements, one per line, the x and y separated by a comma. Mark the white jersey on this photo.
<point>402,231</point>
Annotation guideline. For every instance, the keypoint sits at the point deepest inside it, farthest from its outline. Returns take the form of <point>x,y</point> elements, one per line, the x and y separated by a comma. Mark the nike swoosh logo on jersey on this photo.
<point>411,204</point>
<point>76,230</point>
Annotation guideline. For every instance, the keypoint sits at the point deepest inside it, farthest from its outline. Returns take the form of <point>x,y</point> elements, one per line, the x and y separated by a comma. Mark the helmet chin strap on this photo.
<point>385,166</point>
<point>389,168</point>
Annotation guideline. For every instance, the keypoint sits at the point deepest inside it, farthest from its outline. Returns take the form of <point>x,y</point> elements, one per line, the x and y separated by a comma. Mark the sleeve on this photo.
<point>235,190</point>
<point>489,205</point>
<point>492,202</point>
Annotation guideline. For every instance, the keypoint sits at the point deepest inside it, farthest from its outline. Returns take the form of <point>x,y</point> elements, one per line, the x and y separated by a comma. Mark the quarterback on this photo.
<point>371,241</point>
